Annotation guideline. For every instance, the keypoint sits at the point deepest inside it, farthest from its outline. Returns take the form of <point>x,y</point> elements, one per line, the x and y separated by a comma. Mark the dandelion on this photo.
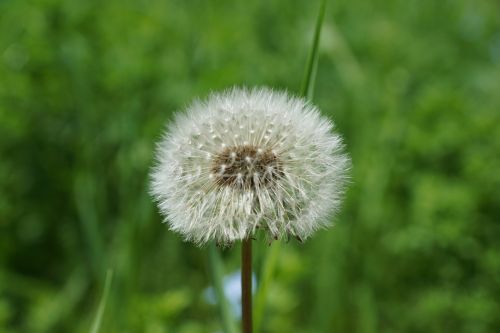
<point>245,160</point>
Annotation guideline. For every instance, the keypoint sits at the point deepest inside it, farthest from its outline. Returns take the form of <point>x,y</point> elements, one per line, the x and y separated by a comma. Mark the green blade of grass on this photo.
<point>264,282</point>
<point>96,325</point>
<point>85,198</point>
<point>308,81</point>
<point>307,91</point>
<point>217,273</point>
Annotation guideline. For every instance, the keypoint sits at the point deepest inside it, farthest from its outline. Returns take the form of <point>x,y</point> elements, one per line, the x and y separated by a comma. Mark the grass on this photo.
<point>96,324</point>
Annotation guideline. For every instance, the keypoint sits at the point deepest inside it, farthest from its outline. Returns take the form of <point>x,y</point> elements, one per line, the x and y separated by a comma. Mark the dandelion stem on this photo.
<point>246,285</point>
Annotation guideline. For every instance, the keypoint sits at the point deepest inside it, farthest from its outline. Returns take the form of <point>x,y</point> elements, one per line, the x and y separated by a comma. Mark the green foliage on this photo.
<point>87,86</point>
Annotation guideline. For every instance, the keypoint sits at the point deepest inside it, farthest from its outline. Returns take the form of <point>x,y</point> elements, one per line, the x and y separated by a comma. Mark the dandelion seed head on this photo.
<point>244,160</point>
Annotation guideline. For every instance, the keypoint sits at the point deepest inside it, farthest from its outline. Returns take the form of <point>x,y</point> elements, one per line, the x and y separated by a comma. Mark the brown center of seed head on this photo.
<point>246,167</point>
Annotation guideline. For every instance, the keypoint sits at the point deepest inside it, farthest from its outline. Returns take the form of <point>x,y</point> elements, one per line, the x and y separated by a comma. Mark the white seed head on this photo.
<point>246,159</point>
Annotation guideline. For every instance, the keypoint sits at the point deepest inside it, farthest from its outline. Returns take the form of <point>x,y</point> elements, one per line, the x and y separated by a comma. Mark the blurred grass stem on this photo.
<point>307,91</point>
<point>96,325</point>
<point>217,273</point>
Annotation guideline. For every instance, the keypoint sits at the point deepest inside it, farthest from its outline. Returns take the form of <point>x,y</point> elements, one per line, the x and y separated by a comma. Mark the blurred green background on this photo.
<point>87,86</point>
